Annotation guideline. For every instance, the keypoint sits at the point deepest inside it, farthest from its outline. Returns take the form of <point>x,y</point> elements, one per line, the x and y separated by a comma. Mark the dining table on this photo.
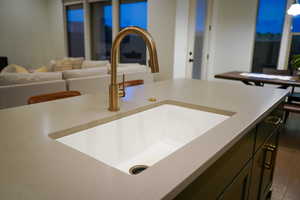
<point>259,79</point>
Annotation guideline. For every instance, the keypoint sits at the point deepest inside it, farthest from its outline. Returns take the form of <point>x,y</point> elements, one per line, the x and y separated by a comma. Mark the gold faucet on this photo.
<point>113,87</point>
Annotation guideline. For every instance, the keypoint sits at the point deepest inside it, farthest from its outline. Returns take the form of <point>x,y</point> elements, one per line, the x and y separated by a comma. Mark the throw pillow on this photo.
<point>23,78</point>
<point>20,69</point>
<point>41,69</point>
<point>9,69</point>
<point>13,68</point>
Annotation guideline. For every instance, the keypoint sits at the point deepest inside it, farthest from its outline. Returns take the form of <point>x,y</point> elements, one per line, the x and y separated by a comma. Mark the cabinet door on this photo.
<point>267,127</point>
<point>256,175</point>
<point>263,168</point>
<point>239,189</point>
<point>211,183</point>
<point>270,151</point>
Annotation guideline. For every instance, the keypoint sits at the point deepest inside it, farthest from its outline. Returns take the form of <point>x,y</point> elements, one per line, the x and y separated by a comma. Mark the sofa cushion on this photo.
<point>94,63</point>
<point>62,65</point>
<point>21,78</point>
<point>129,68</point>
<point>13,68</point>
<point>76,73</point>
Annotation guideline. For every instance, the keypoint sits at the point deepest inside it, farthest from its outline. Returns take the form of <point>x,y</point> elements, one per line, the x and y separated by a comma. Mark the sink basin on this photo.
<point>143,138</point>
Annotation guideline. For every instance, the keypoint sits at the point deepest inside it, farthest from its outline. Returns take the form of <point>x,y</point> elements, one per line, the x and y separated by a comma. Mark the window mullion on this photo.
<point>87,30</point>
<point>116,17</point>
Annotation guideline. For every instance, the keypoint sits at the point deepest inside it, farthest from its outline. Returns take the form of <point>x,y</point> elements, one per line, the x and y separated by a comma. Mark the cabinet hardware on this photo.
<point>271,149</point>
<point>274,120</point>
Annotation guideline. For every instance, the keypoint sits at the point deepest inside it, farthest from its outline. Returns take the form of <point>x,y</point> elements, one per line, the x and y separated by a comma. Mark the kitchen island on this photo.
<point>36,166</point>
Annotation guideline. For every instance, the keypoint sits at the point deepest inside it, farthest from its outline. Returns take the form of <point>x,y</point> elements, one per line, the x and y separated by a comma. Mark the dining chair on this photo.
<point>293,100</point>
<point>52,96</point>
<point>290,107</point>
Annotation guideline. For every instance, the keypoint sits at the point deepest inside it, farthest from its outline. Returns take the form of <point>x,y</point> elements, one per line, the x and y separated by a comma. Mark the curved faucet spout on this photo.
<point>113,88</point>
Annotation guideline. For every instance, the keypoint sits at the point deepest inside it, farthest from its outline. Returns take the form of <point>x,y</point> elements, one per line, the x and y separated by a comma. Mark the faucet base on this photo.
<point>113,97</point>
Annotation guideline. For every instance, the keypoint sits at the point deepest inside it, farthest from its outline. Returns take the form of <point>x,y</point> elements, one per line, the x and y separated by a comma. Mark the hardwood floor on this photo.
<point>286,185</point>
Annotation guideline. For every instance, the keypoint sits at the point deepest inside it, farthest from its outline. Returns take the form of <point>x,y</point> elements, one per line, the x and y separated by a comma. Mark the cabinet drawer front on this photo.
<point>263,168</point>
<point>215,179</point>
<point>239,189</point>
<point>268,126</point>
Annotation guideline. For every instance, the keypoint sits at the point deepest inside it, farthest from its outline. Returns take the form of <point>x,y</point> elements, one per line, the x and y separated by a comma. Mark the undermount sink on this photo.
<point>143,138</point>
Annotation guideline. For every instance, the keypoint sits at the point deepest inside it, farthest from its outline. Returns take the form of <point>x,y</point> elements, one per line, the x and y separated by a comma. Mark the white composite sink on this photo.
<point>143,138</point>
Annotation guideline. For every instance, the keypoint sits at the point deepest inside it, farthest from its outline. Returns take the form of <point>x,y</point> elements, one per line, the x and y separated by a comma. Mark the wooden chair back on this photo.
<point>52,96</point>
<point>132,83</point>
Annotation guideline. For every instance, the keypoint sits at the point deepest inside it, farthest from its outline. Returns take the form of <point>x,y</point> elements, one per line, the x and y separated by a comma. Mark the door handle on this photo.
<point>191,60</point>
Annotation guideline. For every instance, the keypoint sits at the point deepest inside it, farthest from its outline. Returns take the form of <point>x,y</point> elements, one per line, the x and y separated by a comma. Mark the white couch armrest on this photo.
<point>17,95</point>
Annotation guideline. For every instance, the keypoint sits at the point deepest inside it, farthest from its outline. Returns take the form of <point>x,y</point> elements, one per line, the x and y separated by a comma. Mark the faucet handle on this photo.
<point>122,87</point>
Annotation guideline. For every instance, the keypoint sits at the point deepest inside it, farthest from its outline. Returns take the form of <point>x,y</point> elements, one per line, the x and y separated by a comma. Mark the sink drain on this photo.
<point>137,169</point>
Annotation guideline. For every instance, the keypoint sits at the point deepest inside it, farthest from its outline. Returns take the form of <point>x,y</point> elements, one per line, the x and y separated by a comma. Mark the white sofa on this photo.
<point>16,88</point>
<point>17,95</point>
<point>94,84</point>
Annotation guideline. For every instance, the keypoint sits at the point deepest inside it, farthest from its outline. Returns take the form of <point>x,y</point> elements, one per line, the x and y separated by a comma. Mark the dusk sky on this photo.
<point>133,14</point>
<point>270,16</point>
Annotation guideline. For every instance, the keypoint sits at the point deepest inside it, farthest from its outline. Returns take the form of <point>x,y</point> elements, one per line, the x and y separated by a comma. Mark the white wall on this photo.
<point>181,39</point>
<point>233,32</point>
<point>31,34</point>
<point>161,25</point>
<point>231,41</point>
<point>57,44</point>
<point>23,28</point>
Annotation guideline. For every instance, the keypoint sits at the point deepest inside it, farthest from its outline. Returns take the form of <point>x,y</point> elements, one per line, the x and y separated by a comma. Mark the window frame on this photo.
<point>87,22</point>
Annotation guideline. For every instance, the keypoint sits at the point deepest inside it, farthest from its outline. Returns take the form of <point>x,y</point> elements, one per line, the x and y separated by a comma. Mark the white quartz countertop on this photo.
<point>34,166</point>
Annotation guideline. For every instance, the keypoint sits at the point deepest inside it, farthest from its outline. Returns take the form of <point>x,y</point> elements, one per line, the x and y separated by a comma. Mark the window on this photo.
<point>295,37</point>
<point>269,28</point>
<point>99,41</point>
<point>133,48</point>
<point>101,28</point>
<point>75,30</point>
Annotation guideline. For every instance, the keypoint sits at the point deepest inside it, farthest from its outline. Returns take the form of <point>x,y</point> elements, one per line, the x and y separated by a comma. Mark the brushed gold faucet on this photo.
<point>113,87</point>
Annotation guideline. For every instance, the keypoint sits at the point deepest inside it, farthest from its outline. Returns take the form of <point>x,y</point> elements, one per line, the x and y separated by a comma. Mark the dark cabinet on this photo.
<point>246,170</point>
<point>257,169</point>
<point>267,126</point>
<point>270,151</point>
<point>263,168</point>
<point>214,180</point>
<point>238,190</point>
